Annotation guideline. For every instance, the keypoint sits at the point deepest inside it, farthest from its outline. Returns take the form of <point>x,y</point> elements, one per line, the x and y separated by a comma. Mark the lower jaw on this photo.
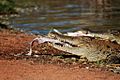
<point>81,51</point>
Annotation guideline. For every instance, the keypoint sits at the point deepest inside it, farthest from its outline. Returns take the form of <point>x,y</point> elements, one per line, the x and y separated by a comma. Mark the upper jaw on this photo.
<point>70,40</point>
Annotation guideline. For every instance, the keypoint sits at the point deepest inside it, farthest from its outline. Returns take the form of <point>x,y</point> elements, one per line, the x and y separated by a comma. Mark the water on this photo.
<point>68,16</point>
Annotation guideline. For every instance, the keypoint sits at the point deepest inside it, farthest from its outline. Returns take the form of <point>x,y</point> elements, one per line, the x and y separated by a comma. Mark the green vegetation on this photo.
<point>7,6</point>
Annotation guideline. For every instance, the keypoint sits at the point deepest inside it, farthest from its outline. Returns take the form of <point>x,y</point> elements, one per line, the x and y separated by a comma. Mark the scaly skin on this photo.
<point>94,49</point>
<point>109,36</point>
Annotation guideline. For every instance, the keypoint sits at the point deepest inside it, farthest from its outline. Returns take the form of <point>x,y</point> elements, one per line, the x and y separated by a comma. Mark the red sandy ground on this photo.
<point>11,69</point>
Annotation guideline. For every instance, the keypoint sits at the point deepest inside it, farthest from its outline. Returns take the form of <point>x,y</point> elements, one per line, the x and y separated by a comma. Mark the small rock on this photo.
<point>87,67</point>
<point>36,55</point>
<point>36,51</point>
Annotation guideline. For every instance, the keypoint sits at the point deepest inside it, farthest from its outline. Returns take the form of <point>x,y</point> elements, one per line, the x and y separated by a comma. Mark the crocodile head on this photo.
<point>70,39</point>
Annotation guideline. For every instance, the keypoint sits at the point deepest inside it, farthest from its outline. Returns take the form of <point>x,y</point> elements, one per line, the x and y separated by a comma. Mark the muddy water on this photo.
<point>68,15</point>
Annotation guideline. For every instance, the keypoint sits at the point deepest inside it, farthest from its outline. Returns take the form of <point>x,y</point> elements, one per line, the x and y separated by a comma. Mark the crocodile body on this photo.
<point>94,49</point>
<point>109,36</point>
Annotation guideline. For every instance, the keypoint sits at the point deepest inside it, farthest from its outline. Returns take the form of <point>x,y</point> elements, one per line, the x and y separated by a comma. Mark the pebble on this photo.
<point>87,67</point>
<point>36,55</point>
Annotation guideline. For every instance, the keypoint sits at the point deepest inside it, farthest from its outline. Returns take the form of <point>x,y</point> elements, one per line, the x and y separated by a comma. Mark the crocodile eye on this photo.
<point>51,35</point>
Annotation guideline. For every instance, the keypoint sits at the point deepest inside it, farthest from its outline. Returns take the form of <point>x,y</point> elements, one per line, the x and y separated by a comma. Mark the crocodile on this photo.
<point>92,48</point>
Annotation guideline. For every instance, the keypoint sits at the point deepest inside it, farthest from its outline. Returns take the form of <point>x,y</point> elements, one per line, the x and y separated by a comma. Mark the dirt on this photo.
<point>47,63</point>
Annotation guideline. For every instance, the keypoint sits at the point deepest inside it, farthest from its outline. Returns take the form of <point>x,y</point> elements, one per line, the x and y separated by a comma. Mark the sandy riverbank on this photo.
<point>14,67</point>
